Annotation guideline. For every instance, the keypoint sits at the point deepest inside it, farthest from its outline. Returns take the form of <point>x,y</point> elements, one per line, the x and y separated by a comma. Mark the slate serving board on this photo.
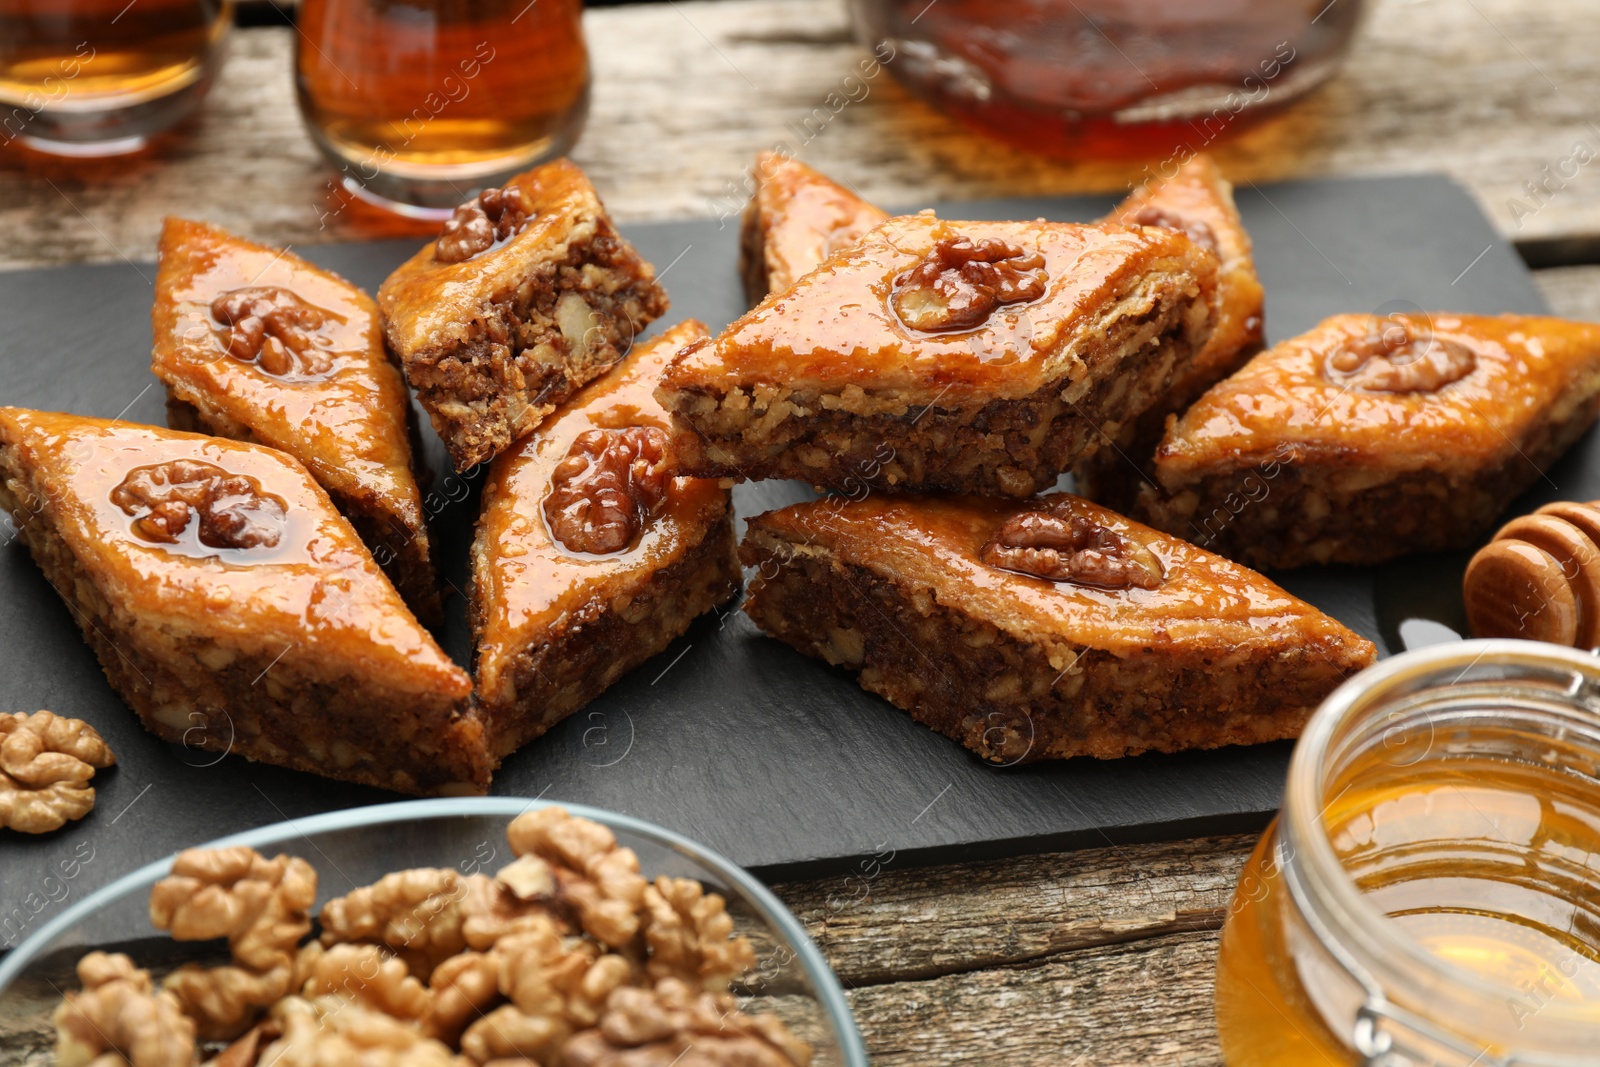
<point>777,761</point>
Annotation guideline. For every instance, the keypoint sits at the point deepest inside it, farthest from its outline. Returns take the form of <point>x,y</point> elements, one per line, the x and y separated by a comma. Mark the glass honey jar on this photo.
<point>1429,895</point>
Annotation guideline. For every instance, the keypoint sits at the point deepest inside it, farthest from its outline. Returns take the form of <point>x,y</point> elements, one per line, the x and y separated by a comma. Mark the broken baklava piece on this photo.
<point>1045,628</point>
<point>592,555</point>
<point>1374,437</point>
<point>796,218</point>
<point>233,608</point>
<point>528,294</point>
<point>1197,200</point>
<point>257,344</point>
<point>974,356</point>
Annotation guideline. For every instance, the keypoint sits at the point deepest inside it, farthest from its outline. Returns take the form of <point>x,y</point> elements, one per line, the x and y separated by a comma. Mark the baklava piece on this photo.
<point>591,554</point>
<point>1369,438</point>
<point>973,356</point>
<point>256,344</point>
<point>1199,201</point>
<point>233,608</point>
<point>1046,628</point>
<point>796,219</point>
<point>528,294</point>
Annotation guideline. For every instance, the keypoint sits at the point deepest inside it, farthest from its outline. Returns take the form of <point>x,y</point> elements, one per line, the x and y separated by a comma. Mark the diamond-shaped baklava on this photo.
<point>591,553</point>
<point>1373,437</point>
<point>796,219</point>
<point>528,293</point>
<point>1198,201</point>
<point>976,356</point>
<point>232,606</point>
<point>256,344</point>
<point>1045,628</point>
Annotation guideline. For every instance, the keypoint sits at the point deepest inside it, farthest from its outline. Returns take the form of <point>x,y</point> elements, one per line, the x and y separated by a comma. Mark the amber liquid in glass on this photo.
<point>441,90</point>
<point>94,57</point>
<point>1117,78</point>
<point>1493,866</point>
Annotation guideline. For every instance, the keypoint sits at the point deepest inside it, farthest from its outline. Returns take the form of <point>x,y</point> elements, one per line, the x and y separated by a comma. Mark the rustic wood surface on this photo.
<point>1103,956</point>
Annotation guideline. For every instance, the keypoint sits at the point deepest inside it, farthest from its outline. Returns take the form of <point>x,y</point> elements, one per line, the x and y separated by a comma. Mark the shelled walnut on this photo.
<point>609,484</point>
<point>119,1012</point>
<point>1059,545</point>
<point>46,764</point>
<point>262,907</point>
<point>961,282</point>
<point>690,935</point>
<point>1398,359</point>
<point>1196,229</point>
<point>493,215</point>
<point>677,1024</point>
<point>516,971</point>
<point>276,329</point>
<point>594,876</point>
<point>234,511</point>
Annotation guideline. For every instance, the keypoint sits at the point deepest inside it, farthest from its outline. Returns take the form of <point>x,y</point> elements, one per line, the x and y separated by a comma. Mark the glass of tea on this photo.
<point>1429,895</point>
<point>99,77</point>
<point>421,103</point>
<point>1109,78</point>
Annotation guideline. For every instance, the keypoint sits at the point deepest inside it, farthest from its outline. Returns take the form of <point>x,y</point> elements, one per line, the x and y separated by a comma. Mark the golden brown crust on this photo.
<point>347,423</point>
<point>555,627</point>
<point>796,218</point>
<point>825,383</point>
<point>1019,668</point>
<point>298,652</point>
<point>1348,466</point>
<point>495,342</point>
<point>1199,201</point>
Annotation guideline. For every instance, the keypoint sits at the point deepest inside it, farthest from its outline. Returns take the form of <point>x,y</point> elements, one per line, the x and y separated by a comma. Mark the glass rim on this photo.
<point>1353,911</point>
<point>830,994</point>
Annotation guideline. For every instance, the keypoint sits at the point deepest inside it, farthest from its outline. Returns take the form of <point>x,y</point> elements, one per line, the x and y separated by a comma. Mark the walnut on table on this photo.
<point>119,1012</point>
<point>263,908</point>
<point>46,763</point>
<point>678,1025</point>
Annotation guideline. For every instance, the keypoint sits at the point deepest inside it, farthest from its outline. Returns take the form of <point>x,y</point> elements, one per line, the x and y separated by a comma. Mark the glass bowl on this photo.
<point>357,847</point>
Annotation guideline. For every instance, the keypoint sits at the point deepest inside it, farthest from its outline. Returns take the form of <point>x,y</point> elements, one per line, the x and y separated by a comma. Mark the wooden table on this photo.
<point>1097,957</point>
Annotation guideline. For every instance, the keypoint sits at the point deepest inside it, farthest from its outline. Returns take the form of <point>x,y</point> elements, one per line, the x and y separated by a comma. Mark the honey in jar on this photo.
<point>1430,892</point>
<point>419,105</point>
<point>98,77</point>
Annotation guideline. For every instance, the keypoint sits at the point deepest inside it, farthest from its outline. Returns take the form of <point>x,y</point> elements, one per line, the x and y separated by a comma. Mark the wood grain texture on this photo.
<point>1573,292</point>
<point>1489,91</point>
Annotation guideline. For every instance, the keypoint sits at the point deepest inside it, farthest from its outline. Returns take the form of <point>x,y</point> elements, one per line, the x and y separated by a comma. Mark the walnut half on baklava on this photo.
<point>528,293</point>
<point>233,608</point>
<point>1373,437</point>
<point>973,356</point>
<point>1045,628</point>
<point>592,554</point>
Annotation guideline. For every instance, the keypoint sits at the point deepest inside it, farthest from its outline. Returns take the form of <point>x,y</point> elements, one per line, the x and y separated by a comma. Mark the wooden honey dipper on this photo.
<point>1539,579</point>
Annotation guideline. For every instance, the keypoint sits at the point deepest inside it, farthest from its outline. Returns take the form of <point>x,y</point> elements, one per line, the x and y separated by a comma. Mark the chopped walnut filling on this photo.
<point>234,511</point>
<point>118,1018</point>
<point>275,329</point>
<point>1397,360</point>
<point>1056,544</point>
<point>604,492</point>
<point>961,282</point>
<point>46,762</point>
<point>493,215</point>
<point>1196,229</point>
